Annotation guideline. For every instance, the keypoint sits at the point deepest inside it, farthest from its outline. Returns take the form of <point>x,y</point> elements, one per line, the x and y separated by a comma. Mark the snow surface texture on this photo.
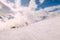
<point>23,16</point>
<point>24,23</point>
<point>43,30</point>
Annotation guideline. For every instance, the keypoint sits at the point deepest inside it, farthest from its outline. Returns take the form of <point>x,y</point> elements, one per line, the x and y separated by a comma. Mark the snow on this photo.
<point>31,24</point>
<point>43,30</point>
<point>22,17</point>
<point>0,6</point>
<point>18,20</point>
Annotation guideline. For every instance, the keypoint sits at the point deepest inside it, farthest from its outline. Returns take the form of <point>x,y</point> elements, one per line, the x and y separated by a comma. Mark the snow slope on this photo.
<point>43,30</point>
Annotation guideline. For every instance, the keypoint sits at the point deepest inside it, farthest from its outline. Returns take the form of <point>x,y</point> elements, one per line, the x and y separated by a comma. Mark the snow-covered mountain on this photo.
<point>43,30</point>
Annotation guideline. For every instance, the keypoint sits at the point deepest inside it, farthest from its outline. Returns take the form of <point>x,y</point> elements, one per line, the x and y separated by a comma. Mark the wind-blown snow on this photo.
<point>25,23</point>
<point>43,30</point>
<point>25,14</point>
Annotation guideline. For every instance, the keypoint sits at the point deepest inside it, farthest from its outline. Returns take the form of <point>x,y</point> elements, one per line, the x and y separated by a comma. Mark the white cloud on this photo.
<point>32,5</point>
<point>51,8</point>
<point>12,4</point>
<point>41,1</point>
<point>28,14</point>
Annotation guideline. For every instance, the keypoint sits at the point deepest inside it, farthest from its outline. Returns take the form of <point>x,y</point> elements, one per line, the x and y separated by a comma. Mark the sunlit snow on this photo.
<point>29,19</point>
<point>13,13</point>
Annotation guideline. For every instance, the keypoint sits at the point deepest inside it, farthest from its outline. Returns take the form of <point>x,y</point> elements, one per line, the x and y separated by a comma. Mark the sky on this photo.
<point>46,3</point>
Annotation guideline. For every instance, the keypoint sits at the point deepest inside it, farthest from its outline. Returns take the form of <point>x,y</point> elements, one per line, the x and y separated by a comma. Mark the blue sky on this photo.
<point>46,3</point>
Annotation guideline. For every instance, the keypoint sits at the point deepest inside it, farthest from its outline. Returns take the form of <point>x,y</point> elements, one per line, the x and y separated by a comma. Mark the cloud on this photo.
<point>32,4</point>
<point>29,14</point>
<point>51,8</point>
<point>41,1</point>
